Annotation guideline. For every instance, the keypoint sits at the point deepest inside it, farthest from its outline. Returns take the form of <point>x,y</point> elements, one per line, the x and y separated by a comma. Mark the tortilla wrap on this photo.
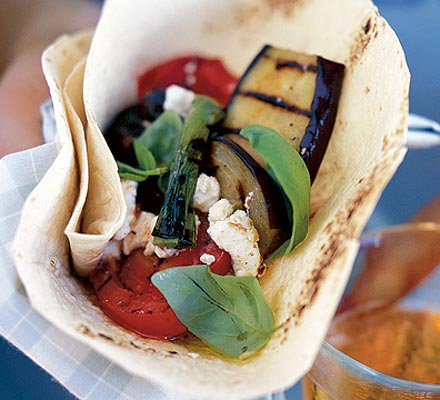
<point>303,288</point>
<point>91,225</point>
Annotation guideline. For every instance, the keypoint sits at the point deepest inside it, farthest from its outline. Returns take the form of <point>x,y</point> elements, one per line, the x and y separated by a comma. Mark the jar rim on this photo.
<point>358,368</point>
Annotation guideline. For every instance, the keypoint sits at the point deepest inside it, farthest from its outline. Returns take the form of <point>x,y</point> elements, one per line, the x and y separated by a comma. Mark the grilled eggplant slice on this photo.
<point>130,124</point>
<point>295,94</point>
<point>241,176</point>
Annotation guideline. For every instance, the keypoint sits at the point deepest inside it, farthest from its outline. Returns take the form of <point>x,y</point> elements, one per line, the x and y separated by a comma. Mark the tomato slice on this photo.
<point>206,76</point>
<point>130,299</point>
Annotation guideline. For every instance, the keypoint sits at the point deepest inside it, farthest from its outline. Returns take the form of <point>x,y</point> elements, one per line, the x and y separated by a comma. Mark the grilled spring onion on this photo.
<point>175,226</point>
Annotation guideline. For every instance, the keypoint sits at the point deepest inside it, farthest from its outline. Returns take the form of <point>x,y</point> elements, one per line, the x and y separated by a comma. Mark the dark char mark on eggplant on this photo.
<point>276,101</point>
<point>248,69</point>
<point>130,123</point>
<point>291,64</point>
<point>297,65</point>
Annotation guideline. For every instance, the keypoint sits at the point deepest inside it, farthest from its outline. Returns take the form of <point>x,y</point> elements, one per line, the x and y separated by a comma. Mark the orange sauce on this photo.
<point>401,343</point>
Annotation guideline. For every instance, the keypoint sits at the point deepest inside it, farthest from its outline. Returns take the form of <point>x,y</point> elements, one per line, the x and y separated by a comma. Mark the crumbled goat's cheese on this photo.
<point>222,209</point>
<point>235,233</point>
<point>140,234</point>
<point>164,252</point>
<point>207,259</point>
<point>130,190</point>
<point>178,99</point>
<point>207,192</point>
<point>248,200</point>
<point>140,237</point>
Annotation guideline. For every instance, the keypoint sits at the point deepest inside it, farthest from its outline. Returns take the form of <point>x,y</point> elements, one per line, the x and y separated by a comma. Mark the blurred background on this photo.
<point>417,181</point>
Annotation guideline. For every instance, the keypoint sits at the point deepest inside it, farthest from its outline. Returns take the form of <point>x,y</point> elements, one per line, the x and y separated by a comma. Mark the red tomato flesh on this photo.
<point>206,76</point>
<point>130,299</point>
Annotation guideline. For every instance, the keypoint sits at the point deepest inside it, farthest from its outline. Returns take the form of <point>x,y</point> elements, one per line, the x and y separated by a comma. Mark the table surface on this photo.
<point>417,25</point>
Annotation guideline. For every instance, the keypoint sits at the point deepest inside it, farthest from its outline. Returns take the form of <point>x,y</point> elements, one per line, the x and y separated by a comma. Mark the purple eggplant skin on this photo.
<point>130,123</point>
<point>123,129</point>
<point>149,197</point>
<point>239,175</point>
<point>324,109</point>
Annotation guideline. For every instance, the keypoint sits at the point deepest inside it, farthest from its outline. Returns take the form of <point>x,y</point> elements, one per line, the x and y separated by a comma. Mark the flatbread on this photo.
<point>303,288</point>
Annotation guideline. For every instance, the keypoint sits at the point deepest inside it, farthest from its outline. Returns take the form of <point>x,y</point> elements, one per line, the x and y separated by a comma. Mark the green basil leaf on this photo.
<point>228,313</point>
<point>291,173</point>
<point>144,156</point>
<point>155,148</point>
<point>162,137</point>
<point>126,171</point>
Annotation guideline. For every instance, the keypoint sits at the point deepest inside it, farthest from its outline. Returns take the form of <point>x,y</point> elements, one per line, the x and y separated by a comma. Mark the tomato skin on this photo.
<point>132,301</point>
<point>127,296</point>
<point>205,76</point>
<point>222,264</point>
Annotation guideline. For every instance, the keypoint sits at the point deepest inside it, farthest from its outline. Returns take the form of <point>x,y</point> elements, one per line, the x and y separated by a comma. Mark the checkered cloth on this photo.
<point>82,371</point>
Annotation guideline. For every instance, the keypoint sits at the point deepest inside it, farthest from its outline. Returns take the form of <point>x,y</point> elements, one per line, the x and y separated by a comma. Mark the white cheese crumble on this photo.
<point>207,259</point>
<point>136,232</point>
<point>235,233</point>
<point>207,192</point>
<point>140,236</point>
<point>164,252</point>
<point>248,200</point>
<point>178,99</point>
<point>129,189</point>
